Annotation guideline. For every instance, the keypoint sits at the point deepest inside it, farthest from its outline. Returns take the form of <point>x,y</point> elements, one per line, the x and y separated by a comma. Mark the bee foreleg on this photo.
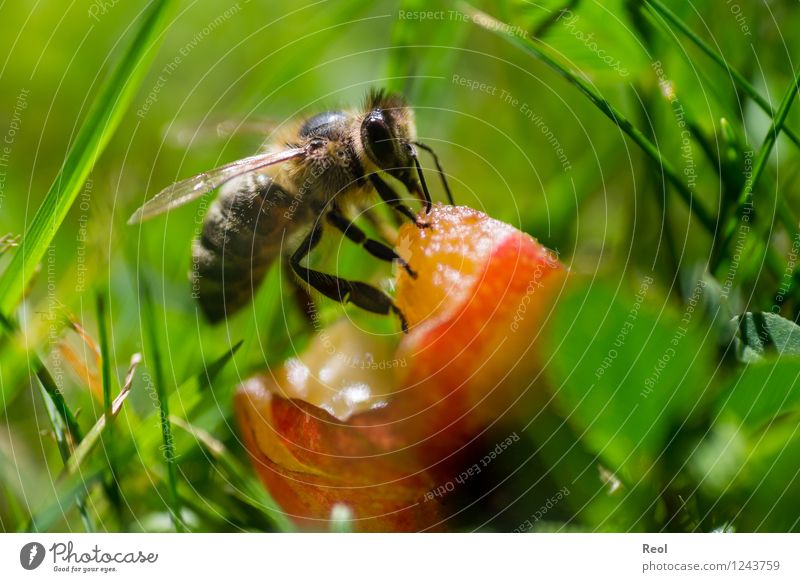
<point>391,198</point>
<point>373,247</point>
<point>429,149</point>
<point>360,294</point>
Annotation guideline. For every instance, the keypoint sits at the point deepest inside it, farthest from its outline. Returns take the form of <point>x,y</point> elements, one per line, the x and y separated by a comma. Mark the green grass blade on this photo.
<point>658,8</point>
<point>54,393</point>
<point>208,376</point>
<point>65,426</point>
<point>536,49</point>
<point>771,138</point>
<point>155,364</point>
<point>746,196</point>
<point>65,449</point>
<point>660,14</point>
<point>68,494</point>
<point>54,399</point>
<point>17,513</point>
<point>550,20</point>
<point>105,356</point>
<point>112,487</point>
<point>244,487</point>
<point>102,121</point>
<point>93,436</point>
<point>20,348</point>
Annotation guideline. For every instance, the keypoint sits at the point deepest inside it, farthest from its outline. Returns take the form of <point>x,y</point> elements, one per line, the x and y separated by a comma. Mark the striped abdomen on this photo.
<point>241,237</point>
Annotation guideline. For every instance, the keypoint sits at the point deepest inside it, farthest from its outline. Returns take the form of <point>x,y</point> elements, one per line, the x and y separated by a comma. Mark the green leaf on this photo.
<point>747,463</point>
<point>568,460</point>
<point>206,378</point>
<point>719,457</point>
<point>108,437</point>
<point>768,484</point>
<point>102,121</point>
<point>758,334</point>
<point>762,392</point>
<point>625,374</point>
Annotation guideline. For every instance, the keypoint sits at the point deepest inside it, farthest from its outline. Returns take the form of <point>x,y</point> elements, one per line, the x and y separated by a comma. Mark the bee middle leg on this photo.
<point>373,247</point>
<point>360,294</point>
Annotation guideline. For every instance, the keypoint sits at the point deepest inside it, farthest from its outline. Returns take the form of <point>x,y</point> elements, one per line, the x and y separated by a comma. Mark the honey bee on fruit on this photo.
<point>309,178</point>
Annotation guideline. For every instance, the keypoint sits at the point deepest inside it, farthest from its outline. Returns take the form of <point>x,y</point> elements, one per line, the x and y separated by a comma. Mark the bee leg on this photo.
<point>302,298</point>
<point>439,168</point>
<point>373,247</point>
<point>360,294</point>
<point>389,196</point>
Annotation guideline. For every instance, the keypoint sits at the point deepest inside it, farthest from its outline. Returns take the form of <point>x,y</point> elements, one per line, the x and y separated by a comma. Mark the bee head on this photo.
<point>388,137</point>
<point>387,131</point>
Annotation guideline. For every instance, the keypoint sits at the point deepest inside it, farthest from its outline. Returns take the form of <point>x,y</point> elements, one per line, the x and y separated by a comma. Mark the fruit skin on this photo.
<point>475,353</point>
<point>309,460</point>
<point>482,294</point>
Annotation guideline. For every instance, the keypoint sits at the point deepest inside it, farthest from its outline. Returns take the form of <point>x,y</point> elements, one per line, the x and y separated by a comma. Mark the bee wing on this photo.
<point>192,188</point>
<point>185,134</point>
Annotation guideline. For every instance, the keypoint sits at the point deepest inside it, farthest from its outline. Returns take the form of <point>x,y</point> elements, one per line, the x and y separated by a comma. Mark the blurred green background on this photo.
<point>714,448</point>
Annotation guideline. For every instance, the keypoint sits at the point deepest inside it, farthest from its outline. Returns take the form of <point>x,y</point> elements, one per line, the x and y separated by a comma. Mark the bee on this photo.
<point>307,180</point>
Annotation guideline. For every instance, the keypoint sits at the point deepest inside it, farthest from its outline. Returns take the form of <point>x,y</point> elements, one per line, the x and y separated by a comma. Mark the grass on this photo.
<point>665,17</point>
<point>745,198</point>
<point>112,485</point>
<point>102,120</point>
<point>81,452</point>
<point>538,50</point>
<point>169,455</point>
<point>670,18</point>
<point>65,449</point>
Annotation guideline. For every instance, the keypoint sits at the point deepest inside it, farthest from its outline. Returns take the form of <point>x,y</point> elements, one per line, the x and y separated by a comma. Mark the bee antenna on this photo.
<point>429,149</point>
<point>425,192</point>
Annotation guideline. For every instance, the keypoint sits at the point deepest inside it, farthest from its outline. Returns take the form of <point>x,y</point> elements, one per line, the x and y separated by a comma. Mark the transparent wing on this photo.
<point>192,188</point>
<point>186,134</point>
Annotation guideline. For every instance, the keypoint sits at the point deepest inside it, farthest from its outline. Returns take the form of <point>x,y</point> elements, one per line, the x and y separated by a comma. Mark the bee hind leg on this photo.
<point>373,247</point>
<point>360,294</point>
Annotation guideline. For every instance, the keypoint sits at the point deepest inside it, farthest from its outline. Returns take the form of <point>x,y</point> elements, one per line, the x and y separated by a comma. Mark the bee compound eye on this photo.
<point>378,139</point>
<point>377,131</point>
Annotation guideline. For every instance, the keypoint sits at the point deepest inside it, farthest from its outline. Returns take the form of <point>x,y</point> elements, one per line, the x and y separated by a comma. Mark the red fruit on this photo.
<point>380,438</point>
